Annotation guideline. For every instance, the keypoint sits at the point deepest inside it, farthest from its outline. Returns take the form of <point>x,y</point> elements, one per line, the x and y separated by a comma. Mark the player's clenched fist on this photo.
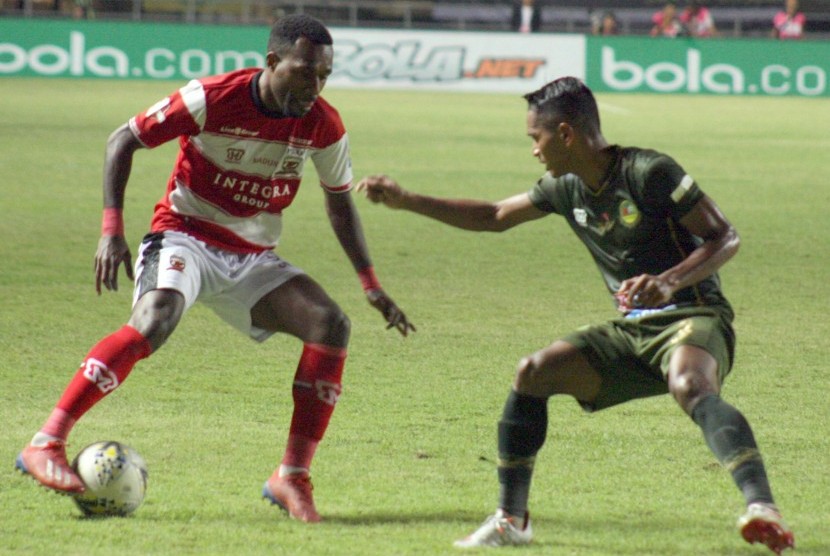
<point>381,189</point>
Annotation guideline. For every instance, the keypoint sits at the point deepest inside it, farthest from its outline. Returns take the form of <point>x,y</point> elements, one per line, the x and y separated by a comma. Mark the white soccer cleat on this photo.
<point>763,524</point>
<point>500,529</point>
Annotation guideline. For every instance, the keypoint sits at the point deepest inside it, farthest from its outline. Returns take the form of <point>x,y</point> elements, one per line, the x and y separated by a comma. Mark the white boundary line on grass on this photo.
<point>613,108</point>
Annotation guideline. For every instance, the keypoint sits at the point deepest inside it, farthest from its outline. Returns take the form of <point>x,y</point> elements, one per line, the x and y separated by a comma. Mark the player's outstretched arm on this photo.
<point>467,214</point>
<point>113,250</point>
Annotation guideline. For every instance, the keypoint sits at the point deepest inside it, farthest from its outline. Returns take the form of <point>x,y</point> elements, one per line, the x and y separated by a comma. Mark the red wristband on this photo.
<point>368,279</point>
<point>112,223</point>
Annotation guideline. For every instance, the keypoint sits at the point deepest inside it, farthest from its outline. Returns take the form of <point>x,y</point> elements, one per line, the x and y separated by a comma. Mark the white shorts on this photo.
<point>227,282</point>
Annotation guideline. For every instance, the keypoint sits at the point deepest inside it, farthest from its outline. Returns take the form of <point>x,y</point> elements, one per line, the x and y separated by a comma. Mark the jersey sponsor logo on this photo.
<point>290,167</point>
<point>238,131</point>
<point>299,141</point>
<point>581,217</point>
<point>629,214</point>
<point>265,161</point>
<point>99,374</point>
<point>176,263</point>
<point>235,155</point>
<point>252,188</point>
<point>253,193</point>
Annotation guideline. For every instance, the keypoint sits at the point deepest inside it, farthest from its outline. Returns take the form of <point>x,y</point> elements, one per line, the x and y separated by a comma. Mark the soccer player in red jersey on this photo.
<point>244,139</point>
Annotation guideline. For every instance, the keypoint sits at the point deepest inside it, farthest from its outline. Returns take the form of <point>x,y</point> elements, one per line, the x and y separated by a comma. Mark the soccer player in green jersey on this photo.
<point>658,241</point>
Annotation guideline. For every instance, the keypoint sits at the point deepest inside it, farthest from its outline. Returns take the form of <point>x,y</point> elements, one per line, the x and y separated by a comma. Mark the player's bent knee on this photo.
<point>156,315</point>
<point>526,373</point>
<point>341,324</point>
<point>689,387</point>
<point>331,325</point>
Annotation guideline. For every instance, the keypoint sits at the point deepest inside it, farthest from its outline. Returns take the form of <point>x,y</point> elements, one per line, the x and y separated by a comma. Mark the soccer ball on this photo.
<point>115,476</point>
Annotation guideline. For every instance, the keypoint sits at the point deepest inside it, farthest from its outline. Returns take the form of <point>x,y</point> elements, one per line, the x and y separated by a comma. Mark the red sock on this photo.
<point>105,367</point>
<point>316,389</point>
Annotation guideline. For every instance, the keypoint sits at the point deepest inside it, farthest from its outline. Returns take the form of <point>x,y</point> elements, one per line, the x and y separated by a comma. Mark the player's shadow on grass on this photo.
<point>661,531</point>
<point>387,518</point>
<point>578,533</point>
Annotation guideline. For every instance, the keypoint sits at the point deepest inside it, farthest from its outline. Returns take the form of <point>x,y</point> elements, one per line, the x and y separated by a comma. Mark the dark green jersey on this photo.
<point>631,225</point>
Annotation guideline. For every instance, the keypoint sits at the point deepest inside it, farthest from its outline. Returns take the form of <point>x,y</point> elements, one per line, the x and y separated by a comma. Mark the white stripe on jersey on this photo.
<point>681,190</point>
<point>334,164</point>
<point>193,95</point>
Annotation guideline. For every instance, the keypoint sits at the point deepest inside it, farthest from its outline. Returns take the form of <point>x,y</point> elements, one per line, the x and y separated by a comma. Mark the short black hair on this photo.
<point>566,99</point>
<point>286,31</point>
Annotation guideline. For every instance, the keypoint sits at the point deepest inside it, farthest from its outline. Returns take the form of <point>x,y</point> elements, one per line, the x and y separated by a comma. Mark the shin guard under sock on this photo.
<point>317,386</point>
<point>730,438</point>
<point>522,431</point>
<point>104,368</point>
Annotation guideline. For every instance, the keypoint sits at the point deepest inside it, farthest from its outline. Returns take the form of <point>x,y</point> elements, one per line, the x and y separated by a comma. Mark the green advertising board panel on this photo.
<point>710,66</point>
<point>126,50</point>
<point>363,58</point>
<point>98,49</point>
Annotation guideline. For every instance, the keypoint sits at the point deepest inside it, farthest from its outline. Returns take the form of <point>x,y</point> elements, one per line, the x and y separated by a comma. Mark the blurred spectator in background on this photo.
<point>268,14</point>
<point>666,23</point>
<point>527,16</point>
<point>698,20</point>
<point>38,5</point>
<point>605,24</point>
<point>789,23</point>
<point>82,9</point>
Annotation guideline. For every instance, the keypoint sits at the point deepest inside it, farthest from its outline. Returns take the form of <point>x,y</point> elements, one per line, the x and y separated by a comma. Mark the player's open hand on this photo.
<point>112,252</point>
<point>381,189</point>
<point>395,318</point>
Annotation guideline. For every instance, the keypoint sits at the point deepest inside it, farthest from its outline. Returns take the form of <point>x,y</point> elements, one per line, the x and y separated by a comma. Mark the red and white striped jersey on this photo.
<point>239,166</point>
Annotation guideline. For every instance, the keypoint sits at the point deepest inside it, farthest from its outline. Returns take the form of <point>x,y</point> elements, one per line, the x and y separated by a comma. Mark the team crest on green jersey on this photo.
<point>629,214</point>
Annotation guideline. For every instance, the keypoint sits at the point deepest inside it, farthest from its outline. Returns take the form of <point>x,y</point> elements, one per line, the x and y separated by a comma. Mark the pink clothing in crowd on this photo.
<point>699,24</point>
<point>665,29</point>
<point>789,27</point>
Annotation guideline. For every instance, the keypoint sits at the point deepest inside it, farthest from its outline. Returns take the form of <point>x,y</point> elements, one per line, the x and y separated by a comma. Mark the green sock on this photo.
<point>730,438</point>
<point>522,431</point>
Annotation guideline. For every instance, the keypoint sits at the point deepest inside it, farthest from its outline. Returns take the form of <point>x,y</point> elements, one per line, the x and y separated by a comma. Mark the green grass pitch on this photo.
<point>407,466</point>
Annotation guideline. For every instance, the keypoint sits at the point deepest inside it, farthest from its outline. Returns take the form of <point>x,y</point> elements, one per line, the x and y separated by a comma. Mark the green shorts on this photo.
<point>632,355</point>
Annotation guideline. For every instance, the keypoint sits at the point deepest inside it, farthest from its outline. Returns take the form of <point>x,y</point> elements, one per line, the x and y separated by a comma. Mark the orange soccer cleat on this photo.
<point>47,465</point>
<point>292,493</point>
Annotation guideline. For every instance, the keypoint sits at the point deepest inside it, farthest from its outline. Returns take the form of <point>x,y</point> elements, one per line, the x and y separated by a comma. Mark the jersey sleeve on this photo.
<point>549,195</point>
<point>334,165</point>
<point>181,113</point>
<point>667,190</point>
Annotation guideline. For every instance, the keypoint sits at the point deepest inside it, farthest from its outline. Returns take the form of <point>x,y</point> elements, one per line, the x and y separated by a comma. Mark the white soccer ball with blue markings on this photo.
<point>115,476</point>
